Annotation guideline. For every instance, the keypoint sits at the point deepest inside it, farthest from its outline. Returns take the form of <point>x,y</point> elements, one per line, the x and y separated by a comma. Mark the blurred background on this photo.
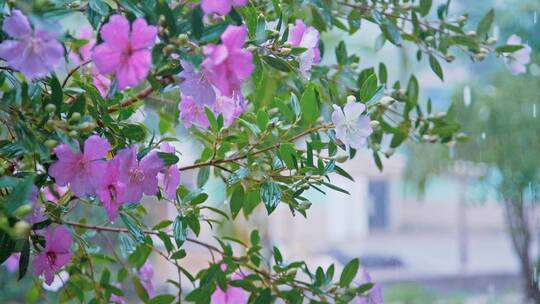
<point>445,224</point>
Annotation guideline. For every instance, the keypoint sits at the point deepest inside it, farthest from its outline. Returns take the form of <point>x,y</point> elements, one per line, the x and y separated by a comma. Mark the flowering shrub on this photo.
<point>274,109</point>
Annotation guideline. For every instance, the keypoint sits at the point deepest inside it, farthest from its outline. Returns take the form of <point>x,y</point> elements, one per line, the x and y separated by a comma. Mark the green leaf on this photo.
<point>341,53</point>
<point>349,272</point>
<point>425,6</point>
<point>288,154</point>
<point>310,105</point>
<point>162,299</point>
<point>139,289</point>
<point>369,87</point>
<point>508,48</point>
<point>436,67</point>
<point>237,200</point>
<point>265,297</point>
<point>57,96</point>
<point>179,230</point>
<point>211,119</point>
<point>133,227</point>
<point>270,195</point>
<point>24,259</point>
<point>485,24</point>
<point>134,132</point>
<point>262,119</point>
<point>99,6</point>
<point>391,32</point>
<point>202,176</point>
<point>278,63</point>
<point>7,245</point>
<point>20,194</point>
<point>168,158</point>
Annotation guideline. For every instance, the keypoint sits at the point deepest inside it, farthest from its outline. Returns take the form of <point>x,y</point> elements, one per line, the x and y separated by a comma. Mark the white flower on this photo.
<point>517,61</point>
<point>352,128</point>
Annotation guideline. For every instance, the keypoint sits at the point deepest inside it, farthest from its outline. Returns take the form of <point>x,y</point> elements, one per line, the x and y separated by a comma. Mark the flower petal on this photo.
<point>17,25</point>
<point>142,34</point>
<point>116,32</point>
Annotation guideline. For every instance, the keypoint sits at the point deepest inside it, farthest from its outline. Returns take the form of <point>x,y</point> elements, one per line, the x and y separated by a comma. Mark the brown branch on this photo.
<point>142,95</point>
<point>216,162</point>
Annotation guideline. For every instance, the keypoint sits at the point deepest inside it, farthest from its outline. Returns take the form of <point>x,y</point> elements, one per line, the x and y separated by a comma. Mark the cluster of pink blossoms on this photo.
<point>218,85</point>
<point>120,180</point>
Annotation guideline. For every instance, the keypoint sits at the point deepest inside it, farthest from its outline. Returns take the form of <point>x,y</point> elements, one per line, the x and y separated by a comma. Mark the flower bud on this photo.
<point>22,211</point>
<point>50,108</point>
<point>389,152</point>
<point>374,124</point>
<point>87,126</point>
<point>182,39</point>
<point>73,133</point>
<point>169,49</point>
<point>351,98</point>
<point>450,58</point>
<point>462,18</point>
<point>21,230</point>
<point>161,20</point>
<point>440,115</point>
<point>480,56</point>
<point>75,116</point>
<point>252,48</point>
<point>50,143</point>
<point>387,101</point>
<point>491,41</point>
<point>471,33</point>
<point>287,44</point>
<point>285,51</point>
<point>429,38</point>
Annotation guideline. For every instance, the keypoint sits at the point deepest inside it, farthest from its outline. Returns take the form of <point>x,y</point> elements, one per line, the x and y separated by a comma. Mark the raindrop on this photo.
<point>534,110</point>
<point>534,18</point>
<point>467,96</point>
<point>483,135</point>
<point>496,32</point>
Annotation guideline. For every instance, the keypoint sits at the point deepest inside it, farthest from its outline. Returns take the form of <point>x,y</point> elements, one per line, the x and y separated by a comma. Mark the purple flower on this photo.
<point>57,253</point>
<point>139,176</point>
<point>198,92</point>
<point>191,113</point>
<point>374,295</point>
<point>125,51</point>
<point>146,274</point>
<point>54,194</point>
<point>227,65</point>
<point>34,53</point>
<point>84,54</point>
<point>110,190</point>
<point>517,61</point>
<point>232,295</point>
<point>220,7</point>
<point>116,298</point>
<point>309,38</point>
<point>12,263</point>
<point>75,168</point>
<point>170,176</point>
<point>194,84</point>
<point>230,108</point>
<point>352,128</point>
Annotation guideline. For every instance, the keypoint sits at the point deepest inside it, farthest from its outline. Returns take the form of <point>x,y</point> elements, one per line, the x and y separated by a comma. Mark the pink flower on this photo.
<point>110,190</point>
<point>230,108</point>
<point>34,53</point>
<point>116,298</point>
<point>220,7</point>
<point>12,263</point>
<point>139,176</point>
<point>125,52</point>
<point>309,38</point>
<point>194,84</point>
<point>57,253</point>
<point>75,168</point>
<point>198,92</point>
<point>84,54</point>
<point>170,176</point>
<point>146,274</point>
<point>54,194</point>
<point>233,295</point>
<point>374,295</point>
<point>191,113</point>
<point>227,65</point>
<point>517,61</point>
